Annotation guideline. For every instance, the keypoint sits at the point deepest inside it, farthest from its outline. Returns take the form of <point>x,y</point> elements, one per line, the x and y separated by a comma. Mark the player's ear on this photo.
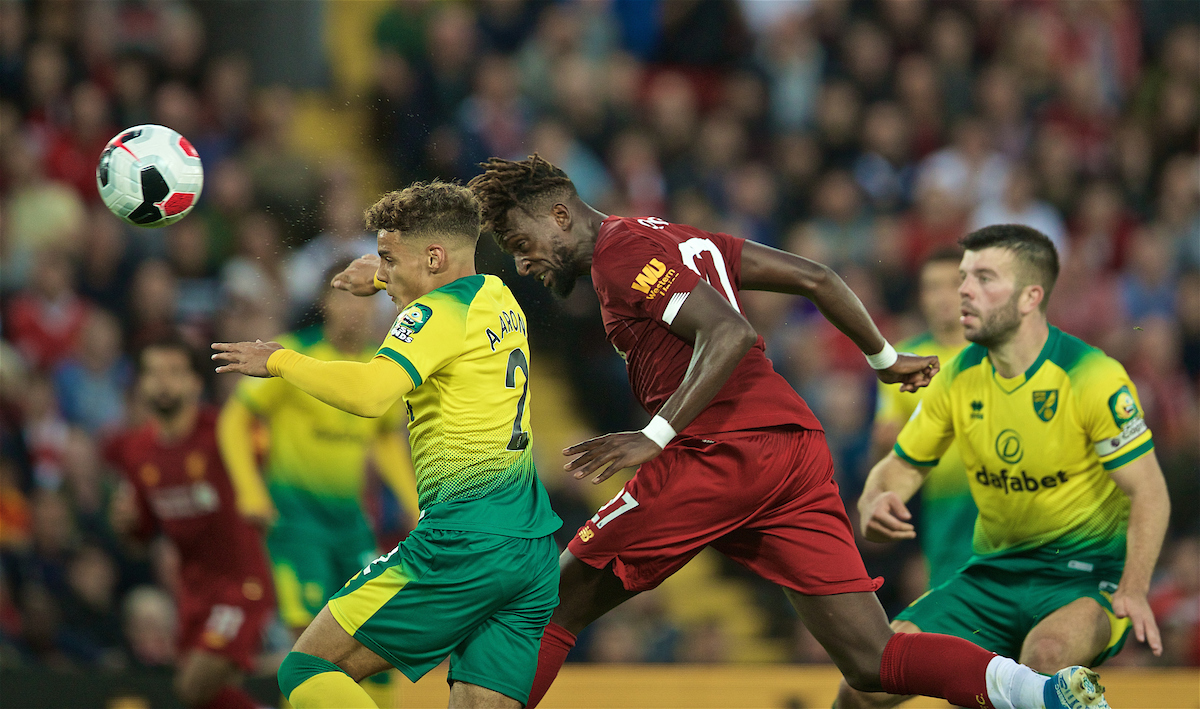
<point>562,216</point>
<point>435,257</point>
<point>1031,298</point>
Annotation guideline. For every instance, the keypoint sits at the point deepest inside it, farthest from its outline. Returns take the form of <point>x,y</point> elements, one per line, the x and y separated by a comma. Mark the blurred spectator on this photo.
<point>255,276</point>
<point>46,320</point>
<point>91,384</point>
<point>342,240</point>
<point>1018,205</point>
<point>72,153</point>
<point>37,213</point>
<point>1148,286</point>
<point>884,170</point>
<point>150,627</point>
<point>89,610</point>
<point>970,169</point>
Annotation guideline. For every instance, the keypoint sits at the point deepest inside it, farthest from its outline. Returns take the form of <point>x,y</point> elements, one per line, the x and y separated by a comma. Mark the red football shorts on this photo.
<point>227,620</point>
<point>764,498</point>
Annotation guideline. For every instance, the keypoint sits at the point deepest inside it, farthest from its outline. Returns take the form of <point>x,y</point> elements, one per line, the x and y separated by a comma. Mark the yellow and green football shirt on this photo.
<point>948,511</point>
<point>1037,449</point>
<point>316,459</point>
<point>466,349</point>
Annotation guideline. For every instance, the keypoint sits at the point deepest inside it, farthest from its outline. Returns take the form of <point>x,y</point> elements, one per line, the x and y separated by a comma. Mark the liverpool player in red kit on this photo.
<point>733,458</point>
<point>175,483</point>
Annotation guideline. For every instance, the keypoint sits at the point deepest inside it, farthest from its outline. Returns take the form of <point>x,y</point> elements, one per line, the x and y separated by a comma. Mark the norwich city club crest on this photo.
<point>1045,403</point>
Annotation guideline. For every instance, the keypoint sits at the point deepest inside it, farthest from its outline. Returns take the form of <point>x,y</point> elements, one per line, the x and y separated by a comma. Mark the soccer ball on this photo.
<point>149,175</point>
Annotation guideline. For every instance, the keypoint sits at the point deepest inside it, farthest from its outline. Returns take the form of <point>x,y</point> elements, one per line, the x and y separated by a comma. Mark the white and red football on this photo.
<point>150,176</point>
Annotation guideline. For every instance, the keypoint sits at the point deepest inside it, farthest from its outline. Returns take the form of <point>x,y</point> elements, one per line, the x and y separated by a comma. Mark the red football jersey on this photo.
<point>643,270</point>
<point>183,490</point>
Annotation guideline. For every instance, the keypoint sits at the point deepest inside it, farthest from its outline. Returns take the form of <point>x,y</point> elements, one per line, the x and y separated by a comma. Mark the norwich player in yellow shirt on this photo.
<point>1072,503</point>
<point>477,580</point>
<point>948,511</point>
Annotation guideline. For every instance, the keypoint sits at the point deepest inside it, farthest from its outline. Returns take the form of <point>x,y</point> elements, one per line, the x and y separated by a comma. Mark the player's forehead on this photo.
<point>996,259</point>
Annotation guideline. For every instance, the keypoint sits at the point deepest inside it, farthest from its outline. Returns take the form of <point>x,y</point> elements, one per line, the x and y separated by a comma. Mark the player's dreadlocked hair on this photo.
<point>527,184</point>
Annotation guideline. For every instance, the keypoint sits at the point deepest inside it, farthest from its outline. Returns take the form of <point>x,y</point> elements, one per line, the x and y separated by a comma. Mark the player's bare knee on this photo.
<point>1047,654</point>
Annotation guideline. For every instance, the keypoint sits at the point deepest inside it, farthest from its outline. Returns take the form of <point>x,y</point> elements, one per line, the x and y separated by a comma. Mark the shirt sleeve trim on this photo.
<point>1130,456</point>
<point>401,360</point>
<point>920,464</point>
<point>673,306</point>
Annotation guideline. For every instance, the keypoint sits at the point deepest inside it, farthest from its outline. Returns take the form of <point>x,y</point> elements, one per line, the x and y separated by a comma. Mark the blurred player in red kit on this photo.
<point>175,483</point>
<point>733,457</point>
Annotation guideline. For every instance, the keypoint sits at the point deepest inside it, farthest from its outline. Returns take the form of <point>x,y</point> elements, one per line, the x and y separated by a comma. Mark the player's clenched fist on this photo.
<point>885,518</point>
<point>359,276</point>
<point>911,371</point>
<point>245,357</point>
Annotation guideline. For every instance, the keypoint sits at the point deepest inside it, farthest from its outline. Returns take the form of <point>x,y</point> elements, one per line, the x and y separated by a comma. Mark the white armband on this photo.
<point>884,358</point>
<point>659,431</point>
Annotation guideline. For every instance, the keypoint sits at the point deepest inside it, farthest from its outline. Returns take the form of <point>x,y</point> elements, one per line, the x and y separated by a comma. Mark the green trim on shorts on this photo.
<point>995,608</point>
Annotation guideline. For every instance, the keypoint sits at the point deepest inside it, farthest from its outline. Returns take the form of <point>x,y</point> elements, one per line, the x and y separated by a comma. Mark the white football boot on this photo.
<point>1074,688</point>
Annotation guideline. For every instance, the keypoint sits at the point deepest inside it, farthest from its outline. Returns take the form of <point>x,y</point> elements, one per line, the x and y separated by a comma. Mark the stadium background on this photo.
<point>861,133</point>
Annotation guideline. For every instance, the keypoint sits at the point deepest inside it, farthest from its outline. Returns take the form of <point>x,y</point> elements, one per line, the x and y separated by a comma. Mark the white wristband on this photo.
<point>659,431</point>
<point>884,358</point>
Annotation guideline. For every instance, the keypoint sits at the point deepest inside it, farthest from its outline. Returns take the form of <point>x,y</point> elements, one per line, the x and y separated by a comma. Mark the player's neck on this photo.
<point>175,428</point>
<point>592,220</point>
<point>1022,350</point>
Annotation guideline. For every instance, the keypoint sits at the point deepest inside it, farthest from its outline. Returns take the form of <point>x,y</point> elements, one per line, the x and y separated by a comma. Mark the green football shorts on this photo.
<point>309,569</point>
<point>995,608</point>
<point>481,599</point>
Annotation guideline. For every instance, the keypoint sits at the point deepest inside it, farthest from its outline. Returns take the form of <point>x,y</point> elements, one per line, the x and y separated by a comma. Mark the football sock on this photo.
<point>381,689</point>
<point>231,697</point>
<point>557,641</point>
<point>310,682</point>
<point>936,665</point>
<point>1012,685</point>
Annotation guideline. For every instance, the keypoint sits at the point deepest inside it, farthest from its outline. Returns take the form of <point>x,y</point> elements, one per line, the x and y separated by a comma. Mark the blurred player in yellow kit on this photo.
<point>1072,502</point>
<point>315,469</point>
<point>947,517</point>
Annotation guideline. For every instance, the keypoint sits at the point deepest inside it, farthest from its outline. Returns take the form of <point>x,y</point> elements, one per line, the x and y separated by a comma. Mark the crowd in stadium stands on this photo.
<point>861,133</point>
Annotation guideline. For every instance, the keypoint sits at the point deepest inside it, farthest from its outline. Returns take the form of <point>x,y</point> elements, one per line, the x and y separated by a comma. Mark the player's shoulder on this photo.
<point>1086,366</point>
<point>969,359</point>
<point>460,293</point>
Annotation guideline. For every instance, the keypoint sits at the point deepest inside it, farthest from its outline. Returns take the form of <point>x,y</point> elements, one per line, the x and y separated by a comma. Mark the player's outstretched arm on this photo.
<point>882,512</point>
<point>765,268</point>
<point>359,276</point>
<point>1149,511</point>
<point>720,337</point>
<point>365,389</point>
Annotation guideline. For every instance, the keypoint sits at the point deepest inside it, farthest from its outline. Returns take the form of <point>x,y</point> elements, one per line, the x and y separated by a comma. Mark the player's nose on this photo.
<point>523,266</point>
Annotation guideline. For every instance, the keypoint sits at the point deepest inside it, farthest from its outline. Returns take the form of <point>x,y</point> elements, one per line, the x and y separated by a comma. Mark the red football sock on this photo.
<point>231,697</point>
<point>935,665</point>
<point>557,641</point>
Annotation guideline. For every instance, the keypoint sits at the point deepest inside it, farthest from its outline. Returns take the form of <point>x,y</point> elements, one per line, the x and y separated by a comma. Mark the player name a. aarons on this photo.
<point>654,279</point>
<point>510,321</point>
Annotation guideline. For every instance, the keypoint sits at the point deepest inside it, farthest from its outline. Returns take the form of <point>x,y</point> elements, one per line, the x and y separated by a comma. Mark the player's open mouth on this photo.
<point>544,277</point>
